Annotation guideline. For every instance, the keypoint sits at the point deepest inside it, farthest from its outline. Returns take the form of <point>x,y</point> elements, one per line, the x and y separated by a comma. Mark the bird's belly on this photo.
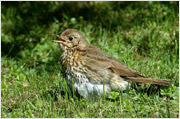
<point>85,88</point>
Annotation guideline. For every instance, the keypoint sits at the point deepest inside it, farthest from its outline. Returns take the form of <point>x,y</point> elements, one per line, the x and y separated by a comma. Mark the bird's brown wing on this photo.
<point>110,63</point>
<point>116,67</point>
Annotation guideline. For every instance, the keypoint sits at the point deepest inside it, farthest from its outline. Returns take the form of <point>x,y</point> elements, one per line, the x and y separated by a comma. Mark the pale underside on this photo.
<point>88,90</point>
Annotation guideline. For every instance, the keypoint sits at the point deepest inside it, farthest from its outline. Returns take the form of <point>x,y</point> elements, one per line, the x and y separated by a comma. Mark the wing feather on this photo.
<point>101,60</point>
<point>110,63</point>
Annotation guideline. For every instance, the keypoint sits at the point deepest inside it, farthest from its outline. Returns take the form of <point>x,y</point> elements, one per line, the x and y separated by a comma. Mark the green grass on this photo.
<point>143,35</point>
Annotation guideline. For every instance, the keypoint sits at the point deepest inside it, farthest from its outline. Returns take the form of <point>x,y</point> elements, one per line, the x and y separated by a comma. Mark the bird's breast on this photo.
<point>77,75</point>
<point>70,59</point>
<point>72,65</point>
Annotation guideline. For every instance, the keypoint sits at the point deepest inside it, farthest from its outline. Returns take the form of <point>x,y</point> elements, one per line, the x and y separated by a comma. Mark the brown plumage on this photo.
<point>91,71</point>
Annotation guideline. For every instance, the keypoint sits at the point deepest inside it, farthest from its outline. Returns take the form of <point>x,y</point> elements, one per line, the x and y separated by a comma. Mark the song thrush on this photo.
<point>91,71</point>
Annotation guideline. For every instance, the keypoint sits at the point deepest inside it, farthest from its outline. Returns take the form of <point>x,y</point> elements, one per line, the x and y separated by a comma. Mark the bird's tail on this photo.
<point>149,80</point>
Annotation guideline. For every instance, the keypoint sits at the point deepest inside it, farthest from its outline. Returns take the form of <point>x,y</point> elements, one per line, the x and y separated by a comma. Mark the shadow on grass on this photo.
<point>60,90</point>
<point>26,20</point>
<point>54,93</point>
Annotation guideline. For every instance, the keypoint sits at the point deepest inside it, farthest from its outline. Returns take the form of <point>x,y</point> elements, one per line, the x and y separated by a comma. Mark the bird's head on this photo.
<point>71,39</point>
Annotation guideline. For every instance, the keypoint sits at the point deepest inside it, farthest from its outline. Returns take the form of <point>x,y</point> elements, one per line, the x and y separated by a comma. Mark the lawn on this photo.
<point>143,35</point>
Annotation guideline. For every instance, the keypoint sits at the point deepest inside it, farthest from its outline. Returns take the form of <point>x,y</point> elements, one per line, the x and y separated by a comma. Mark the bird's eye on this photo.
<point>70,38</point>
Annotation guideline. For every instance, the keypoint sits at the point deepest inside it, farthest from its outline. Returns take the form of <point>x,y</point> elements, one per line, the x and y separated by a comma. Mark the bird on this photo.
<point>91,71</point>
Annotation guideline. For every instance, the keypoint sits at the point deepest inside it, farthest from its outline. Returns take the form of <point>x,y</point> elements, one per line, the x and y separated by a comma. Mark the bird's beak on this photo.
<point>61,40</point>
